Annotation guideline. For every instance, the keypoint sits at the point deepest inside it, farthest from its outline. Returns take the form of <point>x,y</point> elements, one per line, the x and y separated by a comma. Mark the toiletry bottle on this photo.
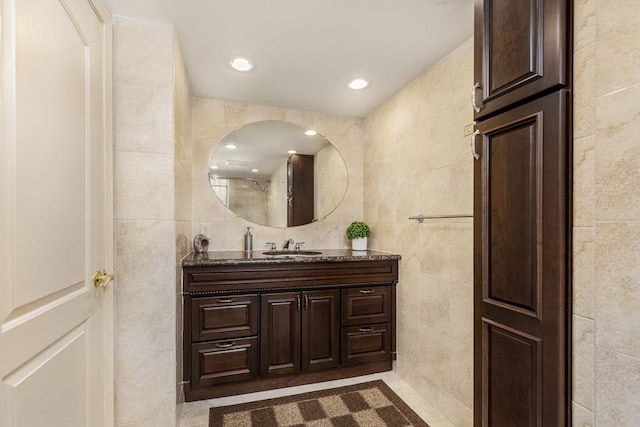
<point>248,240</point>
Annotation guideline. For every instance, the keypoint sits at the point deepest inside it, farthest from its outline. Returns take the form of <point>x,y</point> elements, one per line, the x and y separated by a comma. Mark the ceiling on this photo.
<point>305,51</point>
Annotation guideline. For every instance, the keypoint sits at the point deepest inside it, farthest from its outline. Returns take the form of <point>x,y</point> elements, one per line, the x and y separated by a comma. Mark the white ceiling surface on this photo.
<point>305,51</point>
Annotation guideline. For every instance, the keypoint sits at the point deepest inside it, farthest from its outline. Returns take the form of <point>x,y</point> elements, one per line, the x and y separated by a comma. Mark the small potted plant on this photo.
<point>357,232</point>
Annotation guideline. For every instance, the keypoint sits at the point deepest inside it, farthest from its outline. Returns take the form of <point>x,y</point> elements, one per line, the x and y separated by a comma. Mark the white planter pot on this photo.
<point>359,244</point>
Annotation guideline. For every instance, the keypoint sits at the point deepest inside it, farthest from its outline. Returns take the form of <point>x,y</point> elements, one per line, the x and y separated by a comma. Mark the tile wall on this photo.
<point>213,119</point>
<point>606,233</point>
<point>145,160</point>
<point>417,160</point>
<point>183,199</point>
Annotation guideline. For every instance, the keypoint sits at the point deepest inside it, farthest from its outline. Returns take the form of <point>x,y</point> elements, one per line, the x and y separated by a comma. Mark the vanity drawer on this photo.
<point>221,317</point>
<point>224,361</point>
<point>366,343</point>
<point>371,304</point>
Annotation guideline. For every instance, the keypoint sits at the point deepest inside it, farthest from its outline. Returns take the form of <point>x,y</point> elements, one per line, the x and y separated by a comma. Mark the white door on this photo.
<point>56,344</point>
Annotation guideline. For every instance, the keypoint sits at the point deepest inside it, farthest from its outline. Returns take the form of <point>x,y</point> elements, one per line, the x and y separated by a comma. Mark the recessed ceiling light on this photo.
<point>231,146</point>
<point>213,167</point>
<point>292,151</point>
<point>240,63</point>
<point>255,170</point>
<point>358,83</point>
<point>310,132</point>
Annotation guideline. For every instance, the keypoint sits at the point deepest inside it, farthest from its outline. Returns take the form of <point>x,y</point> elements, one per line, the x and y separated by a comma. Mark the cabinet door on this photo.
<point>320,330</point>
<point>371,304</point>
<point>521,266</point>
<point>520,50</point>
<point>280,334</point>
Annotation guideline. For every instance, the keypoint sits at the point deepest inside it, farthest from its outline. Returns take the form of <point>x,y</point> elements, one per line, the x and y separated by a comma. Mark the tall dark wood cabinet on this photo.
<point>300,183</point>
<point>522,213</point>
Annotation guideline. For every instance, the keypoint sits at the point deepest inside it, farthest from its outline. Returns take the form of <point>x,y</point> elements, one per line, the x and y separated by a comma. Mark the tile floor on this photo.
<point>196,414</point>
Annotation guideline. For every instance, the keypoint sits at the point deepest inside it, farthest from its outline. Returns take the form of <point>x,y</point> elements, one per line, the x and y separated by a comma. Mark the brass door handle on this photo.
<point>101,279</point>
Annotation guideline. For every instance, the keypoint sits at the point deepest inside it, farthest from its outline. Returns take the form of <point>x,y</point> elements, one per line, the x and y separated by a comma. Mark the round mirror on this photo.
<point>278,174</point>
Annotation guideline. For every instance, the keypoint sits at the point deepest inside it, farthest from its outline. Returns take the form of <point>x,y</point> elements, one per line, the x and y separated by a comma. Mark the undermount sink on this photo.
<point>292,253</point>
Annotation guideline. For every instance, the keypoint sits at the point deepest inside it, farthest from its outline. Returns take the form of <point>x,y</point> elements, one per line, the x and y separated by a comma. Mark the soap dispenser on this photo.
<point>248,240</point>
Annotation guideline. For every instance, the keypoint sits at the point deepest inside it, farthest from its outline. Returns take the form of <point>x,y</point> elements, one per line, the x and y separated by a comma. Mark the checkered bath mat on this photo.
<point>371,404</point>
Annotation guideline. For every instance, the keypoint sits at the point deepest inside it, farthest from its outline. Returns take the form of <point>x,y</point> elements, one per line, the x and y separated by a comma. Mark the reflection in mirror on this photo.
<point>277,174</point>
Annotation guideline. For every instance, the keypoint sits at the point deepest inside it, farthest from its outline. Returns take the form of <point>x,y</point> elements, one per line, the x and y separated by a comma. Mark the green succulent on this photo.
<point>357,230</point>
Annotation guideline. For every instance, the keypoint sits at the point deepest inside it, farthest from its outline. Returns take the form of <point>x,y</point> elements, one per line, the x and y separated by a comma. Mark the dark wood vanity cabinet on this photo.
<point>521,50</point>
<point>261,326</point>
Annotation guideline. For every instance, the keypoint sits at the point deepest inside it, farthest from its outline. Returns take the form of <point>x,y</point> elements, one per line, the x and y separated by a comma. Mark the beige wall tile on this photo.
<point>143,181</point>
<point>145,253</point>
<point>461,373</point>
<point>584,109</point>
<point>208,118</point>
<point>618,382</point>
<point>435,358</point>
<point>584,182</point>
<point>145,320</point>
<point>617,312</point>
<point>143,53</point>
<point>617,161</point>
<point>584,23</point>
<point>460,257</point>
<point>461,312</point>
<point>144,118</point>
<point>582,417</point>
<point>617,32</point>
<point>145,387</point>
<point>583,362</point>
<point>434,303</point>
<point>584,271</point>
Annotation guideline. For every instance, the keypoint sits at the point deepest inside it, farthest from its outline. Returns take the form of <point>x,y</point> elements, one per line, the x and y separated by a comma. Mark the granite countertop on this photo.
<point>257,257</point>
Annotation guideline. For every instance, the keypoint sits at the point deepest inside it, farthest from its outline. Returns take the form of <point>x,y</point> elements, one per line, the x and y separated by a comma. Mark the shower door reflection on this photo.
<point>248,198</point>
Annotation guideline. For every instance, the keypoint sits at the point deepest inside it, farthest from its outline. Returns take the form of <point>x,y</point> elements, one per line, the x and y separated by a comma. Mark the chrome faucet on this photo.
<point>285,246</point>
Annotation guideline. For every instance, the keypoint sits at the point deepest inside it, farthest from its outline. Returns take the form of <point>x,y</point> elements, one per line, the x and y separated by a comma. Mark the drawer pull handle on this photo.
<point>367,329</point>
<point>226,345</point>
<point>366,291</point>
<point>225,301</point>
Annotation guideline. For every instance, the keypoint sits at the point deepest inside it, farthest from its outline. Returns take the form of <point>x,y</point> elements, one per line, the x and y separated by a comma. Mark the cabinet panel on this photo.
<point>521,264</point>
<point>520,50</point>
<point>320,330</point>
<point>367,343</point>
<point>224,361</point>
<point>215,318</point>
<point>280,334</point>
<point>366,305</point>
